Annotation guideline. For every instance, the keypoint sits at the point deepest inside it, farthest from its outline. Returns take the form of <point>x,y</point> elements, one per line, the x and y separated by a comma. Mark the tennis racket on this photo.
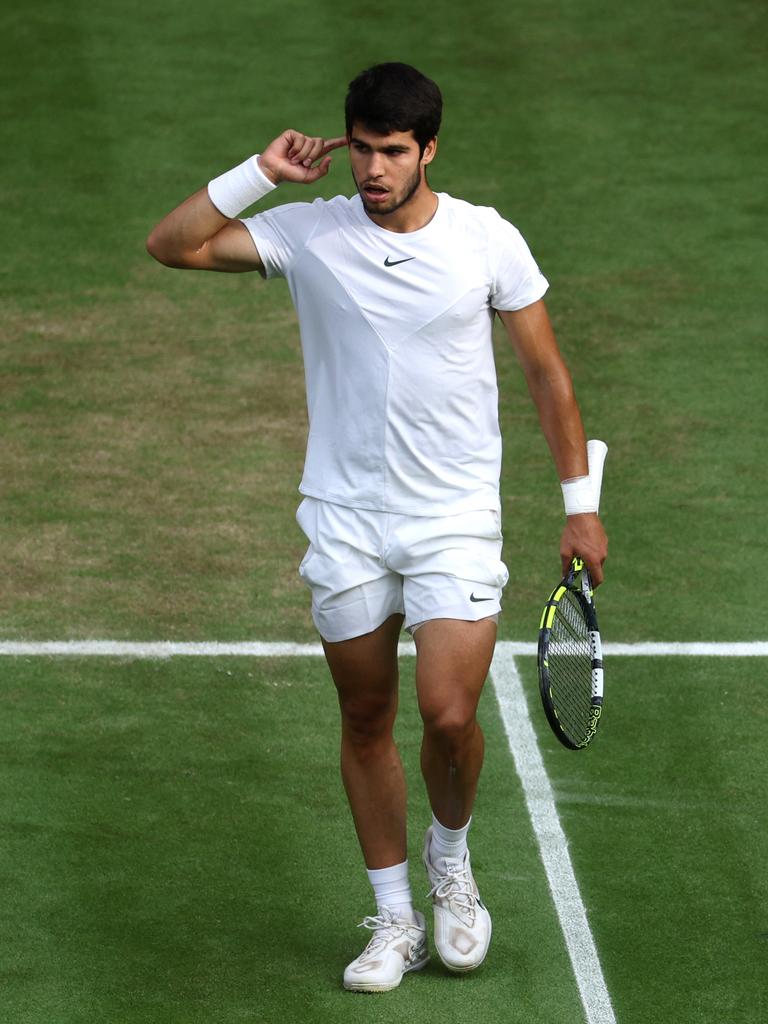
<point>570,655</point>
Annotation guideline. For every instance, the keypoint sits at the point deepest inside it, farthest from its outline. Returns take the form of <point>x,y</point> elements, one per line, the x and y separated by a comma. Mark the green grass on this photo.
<point>155,424</point>
<point>662,819</point>
<point>157,852</point>
<point>153,431</point>
<point>177,847</point>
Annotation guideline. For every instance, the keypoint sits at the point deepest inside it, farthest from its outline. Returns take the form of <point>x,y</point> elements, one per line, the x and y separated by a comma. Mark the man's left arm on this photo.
<point>551,388</point>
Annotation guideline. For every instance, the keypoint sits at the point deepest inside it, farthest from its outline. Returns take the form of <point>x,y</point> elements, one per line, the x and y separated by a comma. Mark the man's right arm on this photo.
<point>198,236</point>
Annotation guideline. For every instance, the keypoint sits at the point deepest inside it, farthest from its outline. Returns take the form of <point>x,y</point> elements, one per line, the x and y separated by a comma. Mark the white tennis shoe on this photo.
<point>462,921</point>
<point>396,947</point>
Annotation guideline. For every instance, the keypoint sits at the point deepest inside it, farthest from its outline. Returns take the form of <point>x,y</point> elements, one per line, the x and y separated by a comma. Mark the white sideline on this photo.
<point>253,649</point>
<point>551,838</point>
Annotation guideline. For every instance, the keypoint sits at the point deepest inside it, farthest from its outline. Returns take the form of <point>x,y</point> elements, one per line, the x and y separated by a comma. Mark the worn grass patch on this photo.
<point>153,423</point>
<point>150,465</point>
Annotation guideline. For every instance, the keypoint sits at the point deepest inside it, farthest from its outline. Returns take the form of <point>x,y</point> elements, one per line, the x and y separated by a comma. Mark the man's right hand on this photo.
<point>290,157</point>
<point>197,236</point>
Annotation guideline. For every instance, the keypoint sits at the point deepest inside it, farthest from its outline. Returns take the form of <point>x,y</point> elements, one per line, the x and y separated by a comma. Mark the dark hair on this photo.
<point>395,97</point>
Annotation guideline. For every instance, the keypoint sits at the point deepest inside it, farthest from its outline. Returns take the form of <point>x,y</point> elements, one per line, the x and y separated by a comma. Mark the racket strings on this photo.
<point>570,667</point>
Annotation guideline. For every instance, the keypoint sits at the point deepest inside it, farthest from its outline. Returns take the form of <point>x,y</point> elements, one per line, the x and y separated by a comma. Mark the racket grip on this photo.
<point>596,453</point>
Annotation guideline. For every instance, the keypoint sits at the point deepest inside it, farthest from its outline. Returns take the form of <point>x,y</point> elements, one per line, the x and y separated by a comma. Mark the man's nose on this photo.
<point>375,166</point>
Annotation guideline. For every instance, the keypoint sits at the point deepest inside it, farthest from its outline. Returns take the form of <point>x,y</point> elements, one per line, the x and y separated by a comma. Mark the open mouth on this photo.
<point>375,193</point>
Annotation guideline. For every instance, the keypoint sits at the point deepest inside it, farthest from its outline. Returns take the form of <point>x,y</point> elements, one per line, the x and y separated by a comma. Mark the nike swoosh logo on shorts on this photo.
<point>475,599</point>
<point>394,263</point>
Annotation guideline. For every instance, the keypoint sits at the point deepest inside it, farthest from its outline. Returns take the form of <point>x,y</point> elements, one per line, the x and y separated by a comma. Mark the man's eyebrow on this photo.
<point>391,147</point>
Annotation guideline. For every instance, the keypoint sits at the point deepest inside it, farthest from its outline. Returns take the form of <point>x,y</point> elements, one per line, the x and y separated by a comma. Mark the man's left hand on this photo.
<point>584,536</point>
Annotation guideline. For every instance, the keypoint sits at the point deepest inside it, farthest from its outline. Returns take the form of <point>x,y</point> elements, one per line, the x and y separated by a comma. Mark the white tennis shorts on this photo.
<point>364,566</point>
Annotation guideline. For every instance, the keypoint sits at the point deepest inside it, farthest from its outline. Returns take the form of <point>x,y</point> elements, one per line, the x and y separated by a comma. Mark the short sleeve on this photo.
<point>516,278</point>
<point>281,233</point>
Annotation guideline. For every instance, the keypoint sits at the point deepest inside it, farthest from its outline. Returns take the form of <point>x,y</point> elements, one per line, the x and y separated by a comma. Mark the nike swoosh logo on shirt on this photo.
<point>394,263</point>
<point>475,599</point>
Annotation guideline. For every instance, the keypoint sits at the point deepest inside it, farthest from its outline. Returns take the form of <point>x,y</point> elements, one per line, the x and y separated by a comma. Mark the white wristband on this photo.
<point>578,496</point>
<point>235,190</point>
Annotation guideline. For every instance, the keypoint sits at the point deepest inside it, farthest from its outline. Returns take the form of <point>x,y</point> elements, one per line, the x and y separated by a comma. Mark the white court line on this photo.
<point>551,838</point>
<point>213,649</point>
<point>156,649</point>
<point>751,649</point>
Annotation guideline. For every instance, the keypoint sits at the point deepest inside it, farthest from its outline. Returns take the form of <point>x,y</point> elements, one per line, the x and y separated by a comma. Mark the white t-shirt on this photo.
<point>398,356</point>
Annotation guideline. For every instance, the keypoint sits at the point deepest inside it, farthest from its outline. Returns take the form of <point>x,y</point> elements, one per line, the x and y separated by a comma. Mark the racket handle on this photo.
<point>596,453</point>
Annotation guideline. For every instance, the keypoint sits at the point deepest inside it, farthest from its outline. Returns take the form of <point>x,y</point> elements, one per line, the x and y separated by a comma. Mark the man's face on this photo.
<point>388,169</point>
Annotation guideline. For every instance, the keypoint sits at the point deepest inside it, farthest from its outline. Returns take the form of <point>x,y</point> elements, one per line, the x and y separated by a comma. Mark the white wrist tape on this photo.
<point>578,496</point>
<point>235,190</point>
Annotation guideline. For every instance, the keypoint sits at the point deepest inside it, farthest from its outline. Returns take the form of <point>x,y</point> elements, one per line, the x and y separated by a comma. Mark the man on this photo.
<point>396,290</point>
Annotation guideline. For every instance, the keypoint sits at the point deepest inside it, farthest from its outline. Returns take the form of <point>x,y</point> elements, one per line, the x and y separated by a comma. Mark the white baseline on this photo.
<point>153,649</point>
<point>551,839</point>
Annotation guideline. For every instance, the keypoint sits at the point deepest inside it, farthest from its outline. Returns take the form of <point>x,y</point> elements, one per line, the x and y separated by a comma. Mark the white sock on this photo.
<point>447,843</point>
<point>392,889</point>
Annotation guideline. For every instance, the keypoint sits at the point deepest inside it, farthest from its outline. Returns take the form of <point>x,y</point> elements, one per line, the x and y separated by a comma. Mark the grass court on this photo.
<point>152,437</point>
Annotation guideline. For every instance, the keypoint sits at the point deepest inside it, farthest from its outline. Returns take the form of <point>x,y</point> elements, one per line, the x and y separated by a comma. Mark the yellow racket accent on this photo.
<point>548,615</point>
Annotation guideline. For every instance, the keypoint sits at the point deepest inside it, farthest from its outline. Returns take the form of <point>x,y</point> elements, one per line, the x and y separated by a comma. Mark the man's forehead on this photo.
<point>379,140</point>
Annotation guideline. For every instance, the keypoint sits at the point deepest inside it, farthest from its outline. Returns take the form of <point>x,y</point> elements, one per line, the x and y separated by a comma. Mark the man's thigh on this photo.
<point>365,670</point>
<point>453,658</point>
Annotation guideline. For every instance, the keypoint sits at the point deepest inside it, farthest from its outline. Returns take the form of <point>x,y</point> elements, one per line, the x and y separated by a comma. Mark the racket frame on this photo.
<point>578,583</point>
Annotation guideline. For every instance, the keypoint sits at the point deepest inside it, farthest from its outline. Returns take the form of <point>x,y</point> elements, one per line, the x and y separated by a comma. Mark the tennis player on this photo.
<point>396,291</point>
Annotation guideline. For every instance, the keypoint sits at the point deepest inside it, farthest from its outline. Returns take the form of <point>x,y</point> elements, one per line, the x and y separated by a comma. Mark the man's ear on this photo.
<point>430,150</point>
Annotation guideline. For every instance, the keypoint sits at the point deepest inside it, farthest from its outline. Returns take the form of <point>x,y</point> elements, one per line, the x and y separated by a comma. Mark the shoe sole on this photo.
<point>387,988</point>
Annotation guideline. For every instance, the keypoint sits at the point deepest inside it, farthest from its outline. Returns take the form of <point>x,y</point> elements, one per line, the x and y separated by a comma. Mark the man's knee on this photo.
<point>367,721</point>
<point>451,725</point>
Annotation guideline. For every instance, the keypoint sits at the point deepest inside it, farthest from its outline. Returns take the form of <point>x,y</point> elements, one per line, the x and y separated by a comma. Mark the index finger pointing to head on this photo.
<point>330,144</point>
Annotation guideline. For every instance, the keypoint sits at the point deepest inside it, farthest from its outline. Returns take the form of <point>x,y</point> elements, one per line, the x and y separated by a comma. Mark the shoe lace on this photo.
<point>456,886</point>
<point>387,926</point>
